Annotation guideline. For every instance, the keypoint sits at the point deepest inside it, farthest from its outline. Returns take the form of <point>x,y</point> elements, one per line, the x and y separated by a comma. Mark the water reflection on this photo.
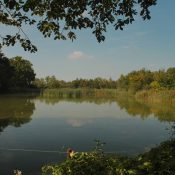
<point>96,100</point>
<point>161,111</point>
<point>75,121</point>
<point>79,122</point>
<point>15,110</point>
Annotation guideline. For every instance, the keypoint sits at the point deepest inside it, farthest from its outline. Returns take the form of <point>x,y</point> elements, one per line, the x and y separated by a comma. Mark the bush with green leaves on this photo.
<point>158,161</point>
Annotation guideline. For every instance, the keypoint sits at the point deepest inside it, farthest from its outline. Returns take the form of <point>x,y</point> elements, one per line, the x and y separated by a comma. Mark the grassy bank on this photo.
<point>79,93</point>
<point>156,96</point>
<point>158,161</point>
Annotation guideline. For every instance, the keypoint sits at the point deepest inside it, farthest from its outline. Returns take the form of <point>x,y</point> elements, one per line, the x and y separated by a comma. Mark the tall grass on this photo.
<point>78,93</point>
<point>156,96</point>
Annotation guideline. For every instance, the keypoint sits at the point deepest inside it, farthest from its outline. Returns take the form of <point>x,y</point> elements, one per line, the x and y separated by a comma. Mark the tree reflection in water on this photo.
<point>161,111</point>
<point>15,110</point>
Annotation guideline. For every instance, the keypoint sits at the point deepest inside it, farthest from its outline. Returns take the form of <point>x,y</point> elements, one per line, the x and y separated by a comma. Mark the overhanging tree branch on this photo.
<point>52,17</point>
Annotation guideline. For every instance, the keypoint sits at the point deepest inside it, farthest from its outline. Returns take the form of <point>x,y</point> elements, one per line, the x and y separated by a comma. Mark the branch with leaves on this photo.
<point>61,19</point>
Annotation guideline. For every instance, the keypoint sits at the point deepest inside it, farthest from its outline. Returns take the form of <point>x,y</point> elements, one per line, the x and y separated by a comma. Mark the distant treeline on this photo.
<point>18,73</point>
<point>133,81</point>
<point>51,82</point>
<point>145,80</point>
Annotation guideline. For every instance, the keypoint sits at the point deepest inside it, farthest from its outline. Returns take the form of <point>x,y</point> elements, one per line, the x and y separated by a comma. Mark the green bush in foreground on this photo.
<point>158,161</point>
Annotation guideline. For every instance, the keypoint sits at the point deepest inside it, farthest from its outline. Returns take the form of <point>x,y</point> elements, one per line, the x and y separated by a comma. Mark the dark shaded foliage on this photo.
<point>15,73</point>
<point>158,161</point>
<point>6,72</point>
<point>61,19</point>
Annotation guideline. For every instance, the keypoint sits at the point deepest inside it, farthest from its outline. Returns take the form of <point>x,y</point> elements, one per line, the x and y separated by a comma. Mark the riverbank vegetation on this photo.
<point>17,74</point>
<point>79,93</point>
<point>133,82</point>
<point>158,161</point>
<point>145,79</point>
<point>50,82</point>
<point>157,96</point>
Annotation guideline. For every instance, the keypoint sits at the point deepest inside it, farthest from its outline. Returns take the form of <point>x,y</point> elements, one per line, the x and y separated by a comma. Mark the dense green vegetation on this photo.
<point>6,72</point>
<point>51,82</point>
<point>145,79</point>
<point>23,73</point>
<point>15,73</point>
<point>158,161</point>
<point>133,82</point>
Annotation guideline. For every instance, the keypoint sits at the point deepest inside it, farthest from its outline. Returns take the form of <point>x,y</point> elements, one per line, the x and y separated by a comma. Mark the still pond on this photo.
<point>35,130</point>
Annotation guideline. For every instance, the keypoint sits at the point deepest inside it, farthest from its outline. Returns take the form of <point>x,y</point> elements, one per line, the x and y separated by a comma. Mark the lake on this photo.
<point>35,130</point>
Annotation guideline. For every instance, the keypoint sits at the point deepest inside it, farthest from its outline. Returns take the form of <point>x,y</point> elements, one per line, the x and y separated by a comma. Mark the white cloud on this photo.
<point>79,55</point>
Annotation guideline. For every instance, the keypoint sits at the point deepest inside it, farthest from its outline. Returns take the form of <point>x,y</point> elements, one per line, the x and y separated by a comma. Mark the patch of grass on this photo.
<point>77,93</point>
<point>156,96</point>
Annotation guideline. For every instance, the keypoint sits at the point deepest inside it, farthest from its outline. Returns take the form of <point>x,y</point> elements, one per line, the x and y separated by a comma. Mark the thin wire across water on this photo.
<point>49,151</point>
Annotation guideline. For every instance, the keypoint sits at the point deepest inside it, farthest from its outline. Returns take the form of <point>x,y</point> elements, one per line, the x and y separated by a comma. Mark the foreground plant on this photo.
<point>158,161</point>
<point>17,172</point>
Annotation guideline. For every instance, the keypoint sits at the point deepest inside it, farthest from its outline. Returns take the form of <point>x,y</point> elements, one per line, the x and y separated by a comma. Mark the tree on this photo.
<point>6,72</point>
<point>40,83</point>
<point>171,77</point>
<point>155,85</point>
<point>123,82</point>
<point>61,19</point>
<point>161,78</point>
<point>139,80</point>
<point>52,82</point>
<point>23,72</point>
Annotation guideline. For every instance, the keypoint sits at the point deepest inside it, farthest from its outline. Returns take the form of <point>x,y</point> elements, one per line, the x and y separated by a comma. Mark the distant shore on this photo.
<point>156,96</point>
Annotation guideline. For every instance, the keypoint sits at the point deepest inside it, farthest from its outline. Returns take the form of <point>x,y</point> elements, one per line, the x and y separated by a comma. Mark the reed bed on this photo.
<point>78,93</point>
<point>156,96</point>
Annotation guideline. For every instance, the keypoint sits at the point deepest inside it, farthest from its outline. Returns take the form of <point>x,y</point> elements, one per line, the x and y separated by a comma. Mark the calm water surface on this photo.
<point>32,127</point>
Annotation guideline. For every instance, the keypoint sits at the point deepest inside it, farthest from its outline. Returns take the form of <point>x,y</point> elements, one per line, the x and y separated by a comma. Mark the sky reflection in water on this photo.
<point>128,127</point>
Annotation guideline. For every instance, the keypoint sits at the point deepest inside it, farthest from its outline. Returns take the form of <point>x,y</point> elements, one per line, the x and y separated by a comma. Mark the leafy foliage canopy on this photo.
<point>61,19</point>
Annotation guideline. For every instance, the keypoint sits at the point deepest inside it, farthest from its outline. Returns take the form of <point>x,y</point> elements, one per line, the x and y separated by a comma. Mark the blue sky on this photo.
<point>149,44</point>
